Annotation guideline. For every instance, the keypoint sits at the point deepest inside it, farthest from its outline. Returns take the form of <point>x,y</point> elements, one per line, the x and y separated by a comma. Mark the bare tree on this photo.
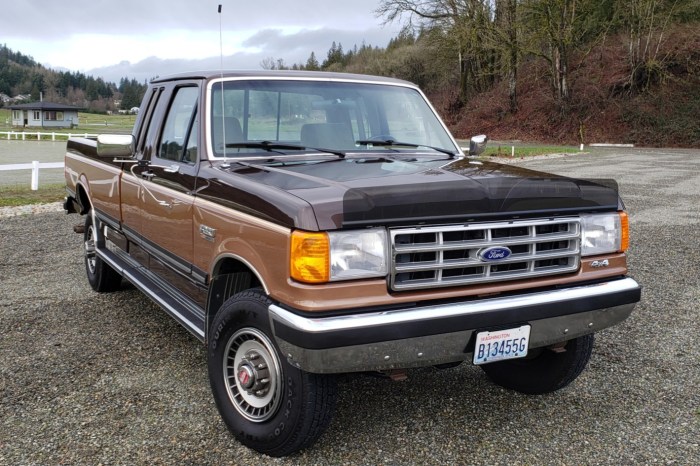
<point>270,63</point>
<point>507,37</point>
<point>561,27</point>
<point>646,22</point>
<point>461,26</point>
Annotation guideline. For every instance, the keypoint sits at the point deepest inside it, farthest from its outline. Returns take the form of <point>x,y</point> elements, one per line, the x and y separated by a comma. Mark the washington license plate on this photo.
<point>500,345</point>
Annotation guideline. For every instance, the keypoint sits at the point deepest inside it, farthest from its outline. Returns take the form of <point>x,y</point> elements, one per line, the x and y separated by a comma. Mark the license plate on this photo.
<point>499,345</point>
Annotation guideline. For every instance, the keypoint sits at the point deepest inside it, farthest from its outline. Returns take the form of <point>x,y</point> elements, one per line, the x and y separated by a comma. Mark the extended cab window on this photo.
<point>177,142</point>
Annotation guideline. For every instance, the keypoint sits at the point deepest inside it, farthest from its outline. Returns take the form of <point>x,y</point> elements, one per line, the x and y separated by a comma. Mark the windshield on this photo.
<point>320,114</point>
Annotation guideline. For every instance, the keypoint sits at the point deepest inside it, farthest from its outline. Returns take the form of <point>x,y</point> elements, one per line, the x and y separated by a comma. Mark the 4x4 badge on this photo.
<point>208,233</point>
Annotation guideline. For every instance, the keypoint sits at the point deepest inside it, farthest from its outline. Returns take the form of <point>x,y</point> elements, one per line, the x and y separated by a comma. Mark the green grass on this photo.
<point>12,196</point>
<point>505,150</point>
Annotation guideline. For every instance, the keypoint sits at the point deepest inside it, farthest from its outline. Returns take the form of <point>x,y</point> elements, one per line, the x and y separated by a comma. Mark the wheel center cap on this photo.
<point>246,376</point>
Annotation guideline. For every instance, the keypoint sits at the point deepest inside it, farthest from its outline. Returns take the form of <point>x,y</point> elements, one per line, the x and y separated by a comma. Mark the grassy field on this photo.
<point>11,196</point>
<point>525,150</point>
<point>89,123</point>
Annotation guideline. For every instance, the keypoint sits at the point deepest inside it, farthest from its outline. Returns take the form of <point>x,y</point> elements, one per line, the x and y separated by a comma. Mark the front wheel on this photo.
<point>266,403</point>
<point>546,370</point>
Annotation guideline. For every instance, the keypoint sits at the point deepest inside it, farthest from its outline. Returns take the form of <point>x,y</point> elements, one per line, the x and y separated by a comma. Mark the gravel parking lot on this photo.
<point>110,379</point>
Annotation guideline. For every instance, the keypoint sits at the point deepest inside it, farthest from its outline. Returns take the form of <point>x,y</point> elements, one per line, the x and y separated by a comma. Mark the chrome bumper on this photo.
<point>423,336</point>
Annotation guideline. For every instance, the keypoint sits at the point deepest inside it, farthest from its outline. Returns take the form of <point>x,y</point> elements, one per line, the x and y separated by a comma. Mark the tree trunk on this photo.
<point>512,55</point>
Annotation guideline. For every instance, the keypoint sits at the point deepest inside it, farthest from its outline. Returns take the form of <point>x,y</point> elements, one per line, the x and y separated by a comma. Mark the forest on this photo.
<point>575,71</point>
<point>21,75</point>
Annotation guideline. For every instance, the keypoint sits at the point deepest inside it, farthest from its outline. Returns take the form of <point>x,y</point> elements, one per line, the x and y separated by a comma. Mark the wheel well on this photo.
<point>230,276</point>
<point>83,200</point>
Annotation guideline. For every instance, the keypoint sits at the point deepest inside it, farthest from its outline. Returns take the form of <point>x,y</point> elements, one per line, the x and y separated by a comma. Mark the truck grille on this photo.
<point>451,255</point>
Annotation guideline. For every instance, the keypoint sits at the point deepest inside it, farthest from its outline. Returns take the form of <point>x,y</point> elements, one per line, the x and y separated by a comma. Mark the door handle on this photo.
<point>172,169</point>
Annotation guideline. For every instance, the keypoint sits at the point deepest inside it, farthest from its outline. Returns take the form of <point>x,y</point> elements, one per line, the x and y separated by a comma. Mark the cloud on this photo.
<point>292,48</point>
<point>126,17</point>
<point>141,39</point>
<point>122,17</point>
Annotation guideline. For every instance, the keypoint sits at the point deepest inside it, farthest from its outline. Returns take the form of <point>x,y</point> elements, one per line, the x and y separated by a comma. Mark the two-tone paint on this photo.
<point>190,235</point>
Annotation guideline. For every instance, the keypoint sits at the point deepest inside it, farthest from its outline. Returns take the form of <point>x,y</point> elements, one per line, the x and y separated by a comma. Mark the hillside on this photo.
<point>603,109</point>
<point>24,79</point>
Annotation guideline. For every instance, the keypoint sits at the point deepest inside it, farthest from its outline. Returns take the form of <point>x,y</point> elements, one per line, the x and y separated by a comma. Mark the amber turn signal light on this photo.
<point>310,257</point>
<point>625,230</point>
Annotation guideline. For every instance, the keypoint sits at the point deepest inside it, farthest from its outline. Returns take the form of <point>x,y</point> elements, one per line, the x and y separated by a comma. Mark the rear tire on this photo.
<point>101,276</point>
<point>266,403</point>
<point>546,372</point>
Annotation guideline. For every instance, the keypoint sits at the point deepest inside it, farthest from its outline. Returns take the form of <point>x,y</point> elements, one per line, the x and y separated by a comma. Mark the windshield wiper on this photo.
<point>276,146</point>
<point>393,142</point>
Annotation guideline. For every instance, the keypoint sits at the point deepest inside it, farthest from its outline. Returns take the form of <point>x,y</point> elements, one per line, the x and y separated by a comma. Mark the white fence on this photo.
<point>39,136</point>
<point>34,167</point>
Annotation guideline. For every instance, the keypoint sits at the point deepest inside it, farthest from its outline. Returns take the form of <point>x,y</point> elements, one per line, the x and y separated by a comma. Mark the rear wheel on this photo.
<point>546,371</point>
<point>101,276</point>
<point>266,403</point>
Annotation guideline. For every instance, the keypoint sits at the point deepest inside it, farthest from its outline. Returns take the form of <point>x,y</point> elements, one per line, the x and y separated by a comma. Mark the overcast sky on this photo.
<point>145,38</point>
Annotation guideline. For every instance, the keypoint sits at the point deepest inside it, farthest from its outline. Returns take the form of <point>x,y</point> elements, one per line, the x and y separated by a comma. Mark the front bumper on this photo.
<point>427,335</point>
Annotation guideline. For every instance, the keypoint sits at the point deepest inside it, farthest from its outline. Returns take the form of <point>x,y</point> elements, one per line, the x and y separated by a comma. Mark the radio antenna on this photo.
<point>221,75</point>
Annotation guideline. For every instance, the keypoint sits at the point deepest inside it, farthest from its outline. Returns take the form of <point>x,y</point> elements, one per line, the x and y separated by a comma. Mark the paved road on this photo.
<point>88,379</point>
<point>12,152</point>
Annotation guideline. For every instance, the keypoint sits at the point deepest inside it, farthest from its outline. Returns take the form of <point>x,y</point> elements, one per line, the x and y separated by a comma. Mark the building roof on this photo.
<point>42,106</point>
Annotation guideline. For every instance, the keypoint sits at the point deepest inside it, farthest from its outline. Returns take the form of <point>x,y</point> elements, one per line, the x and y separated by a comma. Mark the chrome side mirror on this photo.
<point>115,145</point>
<point>477,144</point>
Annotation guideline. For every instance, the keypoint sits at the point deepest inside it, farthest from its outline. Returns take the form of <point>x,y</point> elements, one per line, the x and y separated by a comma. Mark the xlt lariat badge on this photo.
<point>208,233</point>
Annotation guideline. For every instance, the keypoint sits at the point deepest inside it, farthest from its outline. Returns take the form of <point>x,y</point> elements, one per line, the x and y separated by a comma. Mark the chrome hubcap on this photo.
<point>252,374</point>
<point>90,257</point>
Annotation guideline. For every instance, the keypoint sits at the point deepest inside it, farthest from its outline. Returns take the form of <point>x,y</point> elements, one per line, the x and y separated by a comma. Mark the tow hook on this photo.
<point>79,228</point>
<point>558,347</point>
<point>396,375</point>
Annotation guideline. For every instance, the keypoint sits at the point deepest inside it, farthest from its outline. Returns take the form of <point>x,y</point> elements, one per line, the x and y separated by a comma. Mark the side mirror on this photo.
<point>115,145</point>
<point>477,144</point>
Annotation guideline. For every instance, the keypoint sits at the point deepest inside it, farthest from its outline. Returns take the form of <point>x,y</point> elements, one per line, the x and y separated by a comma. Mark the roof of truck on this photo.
<point>213,74</point>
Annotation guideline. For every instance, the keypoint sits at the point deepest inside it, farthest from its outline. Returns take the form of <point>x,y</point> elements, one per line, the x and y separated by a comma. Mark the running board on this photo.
<point>179,306</point>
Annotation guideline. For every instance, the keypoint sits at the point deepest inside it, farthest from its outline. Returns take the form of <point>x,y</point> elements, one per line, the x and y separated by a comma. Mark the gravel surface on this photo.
<point>30,209</point>
<point>90,378</point>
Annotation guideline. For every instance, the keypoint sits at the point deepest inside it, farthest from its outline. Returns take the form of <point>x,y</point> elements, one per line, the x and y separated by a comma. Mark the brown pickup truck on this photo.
<point>305,224</point>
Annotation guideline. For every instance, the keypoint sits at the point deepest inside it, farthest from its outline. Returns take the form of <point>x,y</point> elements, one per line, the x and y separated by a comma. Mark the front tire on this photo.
<point>268,405</point>
<point>547,371</point>
<point>101,276</point>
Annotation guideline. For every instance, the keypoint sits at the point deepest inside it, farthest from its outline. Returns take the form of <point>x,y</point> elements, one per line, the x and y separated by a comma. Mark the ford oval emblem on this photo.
<point>495,253</point>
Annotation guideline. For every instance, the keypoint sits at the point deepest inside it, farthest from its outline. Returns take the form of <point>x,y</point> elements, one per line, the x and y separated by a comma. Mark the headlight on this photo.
<point>604,233</point>
<point>338,255</point>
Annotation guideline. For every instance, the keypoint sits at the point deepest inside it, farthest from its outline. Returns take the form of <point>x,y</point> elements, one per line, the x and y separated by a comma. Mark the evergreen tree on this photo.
<point>312,63</point>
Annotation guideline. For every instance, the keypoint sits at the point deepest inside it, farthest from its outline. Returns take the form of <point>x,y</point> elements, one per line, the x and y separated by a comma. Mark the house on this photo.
<point>44,115</point>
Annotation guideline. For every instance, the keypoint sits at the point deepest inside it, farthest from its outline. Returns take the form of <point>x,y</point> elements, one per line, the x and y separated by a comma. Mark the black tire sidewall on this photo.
<point>547,372</point>
<point>249,309</point>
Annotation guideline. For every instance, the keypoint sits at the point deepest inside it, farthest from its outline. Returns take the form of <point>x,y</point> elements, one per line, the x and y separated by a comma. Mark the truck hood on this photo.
<point>367,191</point>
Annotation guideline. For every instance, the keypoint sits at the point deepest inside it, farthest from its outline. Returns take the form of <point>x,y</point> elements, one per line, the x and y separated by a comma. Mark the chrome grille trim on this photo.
<point>439,256</point>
